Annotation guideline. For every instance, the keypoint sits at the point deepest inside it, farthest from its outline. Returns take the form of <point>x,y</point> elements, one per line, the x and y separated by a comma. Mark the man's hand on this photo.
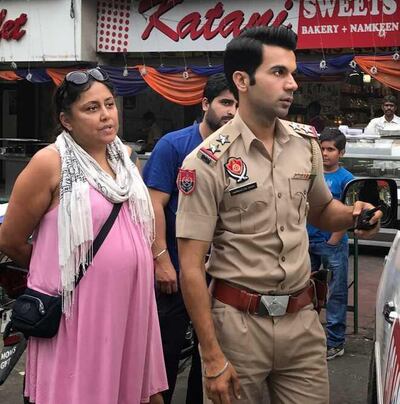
<point>360,206</point>
<point>222,389</point>
<point>166,279</point>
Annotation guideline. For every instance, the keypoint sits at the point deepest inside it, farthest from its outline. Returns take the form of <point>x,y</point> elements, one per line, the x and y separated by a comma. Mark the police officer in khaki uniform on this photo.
<point>249,189</point>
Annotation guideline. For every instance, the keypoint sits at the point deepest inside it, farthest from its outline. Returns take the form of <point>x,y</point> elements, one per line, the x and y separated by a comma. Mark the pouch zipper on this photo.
<point>41,305</point>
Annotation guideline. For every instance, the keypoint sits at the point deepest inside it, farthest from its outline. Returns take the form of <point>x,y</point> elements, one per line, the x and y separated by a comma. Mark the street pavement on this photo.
<point>348,374</point>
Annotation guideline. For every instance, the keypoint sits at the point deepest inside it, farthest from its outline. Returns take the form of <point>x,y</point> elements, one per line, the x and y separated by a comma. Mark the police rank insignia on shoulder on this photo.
<point>207,156</point>
<point>215,146</point>
<point>302,129</point>
<point>223,139</point>
<point>236,168</point>
<point>186,181</point>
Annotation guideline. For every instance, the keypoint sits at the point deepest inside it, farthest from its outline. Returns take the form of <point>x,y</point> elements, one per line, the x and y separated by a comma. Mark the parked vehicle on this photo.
<point>384,378</point>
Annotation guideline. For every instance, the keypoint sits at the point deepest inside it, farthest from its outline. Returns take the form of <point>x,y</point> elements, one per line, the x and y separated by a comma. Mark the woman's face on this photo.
<point>93,118</point>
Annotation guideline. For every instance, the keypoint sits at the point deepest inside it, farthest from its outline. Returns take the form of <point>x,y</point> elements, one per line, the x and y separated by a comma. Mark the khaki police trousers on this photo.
<point>286,354</point>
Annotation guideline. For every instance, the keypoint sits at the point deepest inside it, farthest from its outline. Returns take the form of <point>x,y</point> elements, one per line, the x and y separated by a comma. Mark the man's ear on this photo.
<point>205,104</point>
<point>341,153</point>
<point>65,121</point>
<point>241,80</point>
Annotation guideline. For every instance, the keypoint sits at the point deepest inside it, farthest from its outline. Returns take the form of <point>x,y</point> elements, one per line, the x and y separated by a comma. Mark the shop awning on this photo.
<point>184,85</point>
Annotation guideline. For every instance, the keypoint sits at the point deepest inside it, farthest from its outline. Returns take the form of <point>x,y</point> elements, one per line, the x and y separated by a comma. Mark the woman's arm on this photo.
<point>32,196</point>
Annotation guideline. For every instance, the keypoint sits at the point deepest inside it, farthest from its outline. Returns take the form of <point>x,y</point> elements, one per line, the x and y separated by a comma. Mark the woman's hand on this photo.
<point>156,399</point>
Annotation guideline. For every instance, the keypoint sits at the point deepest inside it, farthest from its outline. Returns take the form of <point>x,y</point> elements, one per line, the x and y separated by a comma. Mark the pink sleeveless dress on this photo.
<point>109,351</point>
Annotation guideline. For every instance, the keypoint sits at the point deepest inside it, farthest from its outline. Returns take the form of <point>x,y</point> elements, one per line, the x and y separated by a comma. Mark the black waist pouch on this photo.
<point>36,314</point>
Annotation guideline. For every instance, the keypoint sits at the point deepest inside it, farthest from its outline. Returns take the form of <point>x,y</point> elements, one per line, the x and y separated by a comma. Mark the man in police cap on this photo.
<point>255,181</point>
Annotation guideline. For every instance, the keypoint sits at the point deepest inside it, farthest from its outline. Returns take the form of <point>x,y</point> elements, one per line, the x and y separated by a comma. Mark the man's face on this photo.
<point>389,109</point>
<point>272,93</point>
<point>221,110</point>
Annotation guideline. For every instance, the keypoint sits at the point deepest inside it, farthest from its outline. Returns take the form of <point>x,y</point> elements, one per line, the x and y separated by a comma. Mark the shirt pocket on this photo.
<point>298,194</point>
<point>245,213</point>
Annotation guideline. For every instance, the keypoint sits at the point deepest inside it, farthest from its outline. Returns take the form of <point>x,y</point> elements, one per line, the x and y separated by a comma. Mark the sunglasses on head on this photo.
<point>79,77</point>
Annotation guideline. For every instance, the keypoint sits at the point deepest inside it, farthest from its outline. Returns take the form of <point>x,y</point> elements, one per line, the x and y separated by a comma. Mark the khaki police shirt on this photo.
<point>254,212</point>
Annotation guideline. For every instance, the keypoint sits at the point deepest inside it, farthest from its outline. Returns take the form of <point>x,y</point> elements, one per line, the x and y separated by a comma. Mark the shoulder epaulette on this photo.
<point>300,128</point>
<point>217,144</point>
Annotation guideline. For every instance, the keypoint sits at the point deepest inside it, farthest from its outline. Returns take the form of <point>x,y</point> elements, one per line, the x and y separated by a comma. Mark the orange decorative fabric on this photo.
<point>388,70</point>
<point>174,87</point>
<point>57,75</point>
<point>9,75</point>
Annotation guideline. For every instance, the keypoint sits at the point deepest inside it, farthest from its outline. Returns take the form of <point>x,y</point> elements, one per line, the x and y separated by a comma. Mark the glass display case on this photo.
<point>374,157</point>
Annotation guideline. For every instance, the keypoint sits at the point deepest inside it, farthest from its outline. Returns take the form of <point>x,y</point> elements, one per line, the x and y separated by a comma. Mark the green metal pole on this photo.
<point>355,287</point>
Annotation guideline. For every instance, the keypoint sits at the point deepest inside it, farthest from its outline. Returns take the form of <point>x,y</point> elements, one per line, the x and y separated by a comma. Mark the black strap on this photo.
<point>98,241</point>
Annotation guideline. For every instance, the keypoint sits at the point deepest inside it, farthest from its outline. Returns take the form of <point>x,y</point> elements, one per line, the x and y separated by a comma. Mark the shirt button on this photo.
<point>283,259</point>
<point>282,228</point>
<point>279,195</point>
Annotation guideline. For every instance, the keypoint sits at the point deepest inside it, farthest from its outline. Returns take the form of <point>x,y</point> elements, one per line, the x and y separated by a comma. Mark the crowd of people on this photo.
<point>216,234</point>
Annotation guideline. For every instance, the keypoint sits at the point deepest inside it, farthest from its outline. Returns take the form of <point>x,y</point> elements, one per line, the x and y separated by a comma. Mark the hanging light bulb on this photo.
<point>125,72</point>
<point>322,64</point>
<point>185,74</point>
<point>14,65</point>
<point>366,78</point>
<point>396,56</point>
<point>353,64</point>
<point>29,76</point>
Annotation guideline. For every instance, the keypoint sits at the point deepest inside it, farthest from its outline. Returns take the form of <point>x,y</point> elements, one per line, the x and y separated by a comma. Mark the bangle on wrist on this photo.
<point>218,374</point>
<point>160,253</point>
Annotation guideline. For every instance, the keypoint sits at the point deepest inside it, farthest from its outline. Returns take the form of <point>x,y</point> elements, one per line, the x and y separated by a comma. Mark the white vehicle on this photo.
<point>384,378</point>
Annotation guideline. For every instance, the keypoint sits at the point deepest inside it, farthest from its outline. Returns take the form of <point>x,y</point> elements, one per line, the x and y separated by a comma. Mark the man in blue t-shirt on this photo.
<point>332,249</point>
<point>160,175</point>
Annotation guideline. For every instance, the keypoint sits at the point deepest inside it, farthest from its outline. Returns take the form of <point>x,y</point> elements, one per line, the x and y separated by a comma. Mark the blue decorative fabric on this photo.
<point>199,70</point>
<point>334,66</point>
<point>38,75</point>
<point>126,86</point>
<point>207,71</point>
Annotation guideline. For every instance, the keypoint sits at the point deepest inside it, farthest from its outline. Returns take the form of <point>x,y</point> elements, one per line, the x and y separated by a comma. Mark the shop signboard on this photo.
<point>192,25</point>
<point>43,30</point>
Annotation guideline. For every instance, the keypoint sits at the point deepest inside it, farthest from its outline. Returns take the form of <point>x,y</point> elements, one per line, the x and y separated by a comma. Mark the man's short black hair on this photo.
<point>334,135</point>
<point>245,52</point>
<point>389,98</point>
<point>214,86</point>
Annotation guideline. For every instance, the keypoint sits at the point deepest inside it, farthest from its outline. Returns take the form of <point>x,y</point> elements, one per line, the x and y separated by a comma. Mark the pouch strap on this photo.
<point>98,241</point>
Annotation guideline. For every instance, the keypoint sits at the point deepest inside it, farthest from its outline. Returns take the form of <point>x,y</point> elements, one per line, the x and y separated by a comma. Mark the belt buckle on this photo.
<point>274,305</point>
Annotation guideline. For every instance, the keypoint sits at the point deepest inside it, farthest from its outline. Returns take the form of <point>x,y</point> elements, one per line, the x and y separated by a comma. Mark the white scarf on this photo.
<point>75,228</point>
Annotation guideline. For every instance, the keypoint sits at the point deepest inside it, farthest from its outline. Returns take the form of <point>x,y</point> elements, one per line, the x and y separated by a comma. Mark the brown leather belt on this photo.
<point>254,303</point>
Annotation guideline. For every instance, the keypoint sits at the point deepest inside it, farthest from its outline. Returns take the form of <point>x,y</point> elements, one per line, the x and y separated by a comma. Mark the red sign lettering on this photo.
<point>11,29</point>
<point>190,25</point>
